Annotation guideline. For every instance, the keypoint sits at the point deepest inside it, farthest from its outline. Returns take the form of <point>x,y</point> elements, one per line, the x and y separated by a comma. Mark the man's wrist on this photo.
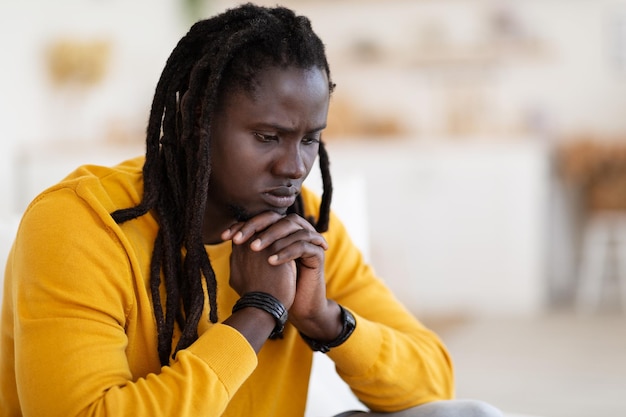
<point>348,325</point>
<point>270,305</point>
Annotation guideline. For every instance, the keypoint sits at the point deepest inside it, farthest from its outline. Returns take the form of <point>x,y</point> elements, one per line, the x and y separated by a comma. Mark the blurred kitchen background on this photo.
<point>478,149</point>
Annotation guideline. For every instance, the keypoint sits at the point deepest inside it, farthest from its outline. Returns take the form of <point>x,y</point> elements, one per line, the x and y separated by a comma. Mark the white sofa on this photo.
<point>8,227</point>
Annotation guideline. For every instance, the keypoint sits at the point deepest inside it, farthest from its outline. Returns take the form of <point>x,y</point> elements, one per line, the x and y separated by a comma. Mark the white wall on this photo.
<point>576,82</point>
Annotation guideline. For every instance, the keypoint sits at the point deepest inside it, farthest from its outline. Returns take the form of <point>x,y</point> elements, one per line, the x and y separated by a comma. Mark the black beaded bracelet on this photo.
<point>349,324</point>
<point>267,303</point>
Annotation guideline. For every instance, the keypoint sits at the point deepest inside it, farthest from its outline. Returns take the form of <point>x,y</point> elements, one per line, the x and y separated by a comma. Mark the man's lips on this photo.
<point>281,197</point>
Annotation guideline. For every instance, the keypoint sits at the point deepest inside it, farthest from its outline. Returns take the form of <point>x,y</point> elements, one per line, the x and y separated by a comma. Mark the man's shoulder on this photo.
<point>128,168</point>
<point>106,187</point>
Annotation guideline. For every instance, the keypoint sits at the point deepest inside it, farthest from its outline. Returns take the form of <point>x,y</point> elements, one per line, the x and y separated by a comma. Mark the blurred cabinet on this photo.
<point>455,227</point>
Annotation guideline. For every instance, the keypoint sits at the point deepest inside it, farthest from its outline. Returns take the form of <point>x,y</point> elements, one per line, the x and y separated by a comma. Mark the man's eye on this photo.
<point>265,138</point>
<point>310,140</point>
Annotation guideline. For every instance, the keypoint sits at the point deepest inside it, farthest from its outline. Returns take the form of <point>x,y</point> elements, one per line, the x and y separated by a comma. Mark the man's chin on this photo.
<point>241,214</point>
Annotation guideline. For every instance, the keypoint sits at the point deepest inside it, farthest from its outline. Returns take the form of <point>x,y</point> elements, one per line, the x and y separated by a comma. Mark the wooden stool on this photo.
<point>603,252</point>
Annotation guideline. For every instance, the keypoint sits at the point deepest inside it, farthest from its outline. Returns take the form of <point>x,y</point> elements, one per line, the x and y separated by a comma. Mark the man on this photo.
<point>197,281</point>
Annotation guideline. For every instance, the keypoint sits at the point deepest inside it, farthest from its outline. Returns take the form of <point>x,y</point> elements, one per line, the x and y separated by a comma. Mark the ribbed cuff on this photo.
<point>227,353</point>
<point>362,349</point>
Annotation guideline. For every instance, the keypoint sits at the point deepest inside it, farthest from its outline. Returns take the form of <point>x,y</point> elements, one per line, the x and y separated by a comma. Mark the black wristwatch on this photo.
<point>349,324</point>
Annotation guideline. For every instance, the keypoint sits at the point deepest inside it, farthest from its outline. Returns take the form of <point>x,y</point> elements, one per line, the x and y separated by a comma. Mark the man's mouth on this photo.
<point>281,197</point>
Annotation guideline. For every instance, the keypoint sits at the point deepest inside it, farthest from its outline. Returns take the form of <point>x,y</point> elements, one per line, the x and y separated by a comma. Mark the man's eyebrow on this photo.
<point>281,128</point>
<point>318,129</point>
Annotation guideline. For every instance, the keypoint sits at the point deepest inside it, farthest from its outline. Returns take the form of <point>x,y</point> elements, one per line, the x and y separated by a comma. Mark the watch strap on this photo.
<point>348,326</point>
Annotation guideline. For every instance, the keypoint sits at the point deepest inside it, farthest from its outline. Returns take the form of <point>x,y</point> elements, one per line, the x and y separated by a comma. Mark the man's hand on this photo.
<point>250,270</point>
<point>285,242</point>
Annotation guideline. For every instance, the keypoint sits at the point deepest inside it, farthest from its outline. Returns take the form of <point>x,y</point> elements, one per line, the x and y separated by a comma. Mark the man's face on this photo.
<point>264,143</point>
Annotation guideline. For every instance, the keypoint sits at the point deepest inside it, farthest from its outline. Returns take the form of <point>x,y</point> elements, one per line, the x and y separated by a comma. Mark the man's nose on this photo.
<point>290,163</point>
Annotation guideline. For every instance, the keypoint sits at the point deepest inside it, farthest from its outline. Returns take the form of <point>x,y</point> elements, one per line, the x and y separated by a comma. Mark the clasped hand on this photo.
<point>283,255</point>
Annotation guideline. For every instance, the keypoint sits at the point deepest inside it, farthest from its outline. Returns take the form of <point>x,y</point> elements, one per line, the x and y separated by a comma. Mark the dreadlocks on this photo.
<point>215,57</point>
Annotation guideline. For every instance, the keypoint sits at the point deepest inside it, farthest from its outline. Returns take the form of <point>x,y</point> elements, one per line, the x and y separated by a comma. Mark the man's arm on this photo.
<point>81,313</point>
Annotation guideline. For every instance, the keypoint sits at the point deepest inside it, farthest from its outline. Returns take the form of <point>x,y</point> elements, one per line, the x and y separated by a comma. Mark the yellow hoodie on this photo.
<point>78,335</point>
